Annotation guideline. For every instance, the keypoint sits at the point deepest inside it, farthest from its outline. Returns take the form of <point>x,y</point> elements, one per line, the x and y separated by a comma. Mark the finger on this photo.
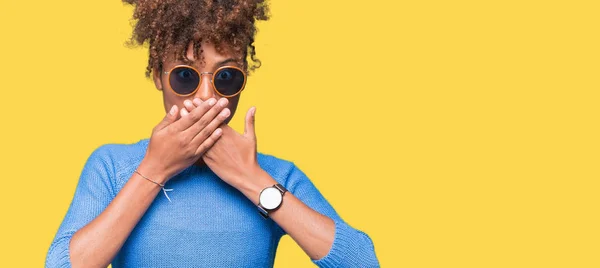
<point>189,105</point>
<point>197,102</point>
<point>169,118</point>
<point>209,142</point>
<point>201,123</point>
<point>183,112</point>
<point>250,129</point>
<point>204,133</point>
<point>188,119</point>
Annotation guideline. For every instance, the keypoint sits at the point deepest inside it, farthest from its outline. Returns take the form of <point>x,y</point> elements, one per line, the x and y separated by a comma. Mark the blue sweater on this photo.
<point>208,223</point>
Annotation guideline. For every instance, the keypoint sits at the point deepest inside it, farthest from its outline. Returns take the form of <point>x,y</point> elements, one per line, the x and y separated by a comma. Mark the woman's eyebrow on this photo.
<point>221,63</point>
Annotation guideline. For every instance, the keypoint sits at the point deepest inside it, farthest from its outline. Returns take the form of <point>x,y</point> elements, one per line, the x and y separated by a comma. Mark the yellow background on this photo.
<point>455,133</point>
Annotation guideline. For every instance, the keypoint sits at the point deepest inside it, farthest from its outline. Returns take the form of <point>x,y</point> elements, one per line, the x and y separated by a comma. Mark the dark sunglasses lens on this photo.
<point>184,80</point>
<point>229,81</point>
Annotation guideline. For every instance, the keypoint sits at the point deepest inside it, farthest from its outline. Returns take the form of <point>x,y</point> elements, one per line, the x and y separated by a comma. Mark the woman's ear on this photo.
<point>156,76</point>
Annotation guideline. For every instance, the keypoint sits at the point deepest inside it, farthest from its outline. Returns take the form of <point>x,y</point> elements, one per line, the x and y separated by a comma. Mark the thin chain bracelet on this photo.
<point>159,184</point>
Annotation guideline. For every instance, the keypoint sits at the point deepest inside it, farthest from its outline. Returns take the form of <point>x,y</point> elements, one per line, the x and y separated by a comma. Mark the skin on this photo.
<point>195,131</point>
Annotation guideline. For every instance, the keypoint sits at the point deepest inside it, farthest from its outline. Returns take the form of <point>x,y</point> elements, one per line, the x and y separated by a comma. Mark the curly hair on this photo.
<point>170,25</point>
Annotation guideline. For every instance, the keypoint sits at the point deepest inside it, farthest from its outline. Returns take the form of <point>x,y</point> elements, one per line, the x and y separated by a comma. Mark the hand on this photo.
<point>178,142</point>
<point>234,156</point>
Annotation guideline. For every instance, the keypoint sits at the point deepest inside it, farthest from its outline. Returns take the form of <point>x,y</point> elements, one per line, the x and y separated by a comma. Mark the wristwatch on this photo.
<point>270,199</point>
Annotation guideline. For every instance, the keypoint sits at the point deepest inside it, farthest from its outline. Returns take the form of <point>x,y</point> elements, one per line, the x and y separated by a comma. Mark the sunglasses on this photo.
<point>227,81</point>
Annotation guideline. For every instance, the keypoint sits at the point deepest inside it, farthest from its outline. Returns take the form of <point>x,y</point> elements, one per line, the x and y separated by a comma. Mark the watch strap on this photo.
<point>263,212</point>
<point>280,188</point>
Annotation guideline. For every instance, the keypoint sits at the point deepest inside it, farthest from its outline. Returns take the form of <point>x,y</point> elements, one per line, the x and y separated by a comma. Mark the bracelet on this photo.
<point>157,183</point>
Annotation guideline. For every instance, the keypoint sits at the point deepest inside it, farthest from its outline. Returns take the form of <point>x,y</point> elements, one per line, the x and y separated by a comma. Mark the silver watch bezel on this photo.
<point>270,191</point>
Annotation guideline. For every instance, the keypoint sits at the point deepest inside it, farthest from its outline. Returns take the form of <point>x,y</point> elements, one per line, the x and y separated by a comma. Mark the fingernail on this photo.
<point>173,110</point>
<point>197,101</point>
<point>223,101</point>
<point>225,112</point>
<point>211,101</point>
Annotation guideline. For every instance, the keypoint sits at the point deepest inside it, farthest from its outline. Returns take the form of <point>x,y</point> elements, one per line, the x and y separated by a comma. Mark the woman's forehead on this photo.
<point>211,57</point>
<point>209,53</point>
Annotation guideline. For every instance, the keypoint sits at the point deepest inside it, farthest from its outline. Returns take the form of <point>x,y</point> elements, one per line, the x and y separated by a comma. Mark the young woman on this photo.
<point>223,204</point>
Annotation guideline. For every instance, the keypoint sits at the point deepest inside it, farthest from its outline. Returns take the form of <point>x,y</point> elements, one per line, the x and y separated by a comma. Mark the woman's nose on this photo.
<point>205,91</point>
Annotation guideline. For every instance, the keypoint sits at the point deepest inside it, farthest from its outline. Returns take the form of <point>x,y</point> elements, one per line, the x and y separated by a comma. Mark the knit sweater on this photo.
<point>208,223</point>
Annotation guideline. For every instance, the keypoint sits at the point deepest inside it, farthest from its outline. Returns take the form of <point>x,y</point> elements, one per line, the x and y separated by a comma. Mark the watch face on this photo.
<point>270,198</point>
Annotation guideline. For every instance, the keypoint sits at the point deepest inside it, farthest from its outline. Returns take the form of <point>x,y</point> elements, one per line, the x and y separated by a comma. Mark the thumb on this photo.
<point>250,129</point>
<point>169,118</point>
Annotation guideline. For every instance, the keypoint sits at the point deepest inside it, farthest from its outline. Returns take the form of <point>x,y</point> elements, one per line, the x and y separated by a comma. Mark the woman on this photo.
<point>224,204</point>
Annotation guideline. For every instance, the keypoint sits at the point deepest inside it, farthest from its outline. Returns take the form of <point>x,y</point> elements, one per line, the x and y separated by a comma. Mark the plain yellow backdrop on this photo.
<point>455,133</point>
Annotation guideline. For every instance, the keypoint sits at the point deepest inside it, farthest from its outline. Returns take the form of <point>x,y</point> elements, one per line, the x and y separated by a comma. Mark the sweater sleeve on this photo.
<point>351,247</point>
<point>93,193</point>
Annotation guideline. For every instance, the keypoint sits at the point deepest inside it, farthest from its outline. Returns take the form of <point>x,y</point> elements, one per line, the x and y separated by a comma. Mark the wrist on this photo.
<point>254,182</point>
<point>153,171</point>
